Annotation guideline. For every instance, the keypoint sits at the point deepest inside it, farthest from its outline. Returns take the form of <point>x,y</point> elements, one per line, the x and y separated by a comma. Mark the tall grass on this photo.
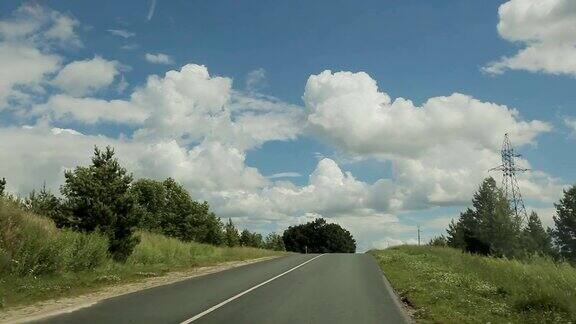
<point>159,249</point>
<point>32,245</point>
<point>448,286</point>
<point>39,261</point>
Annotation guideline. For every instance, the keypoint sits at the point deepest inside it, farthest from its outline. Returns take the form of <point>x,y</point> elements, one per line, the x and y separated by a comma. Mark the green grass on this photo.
<point>39,261</point>
<point>445,285</point>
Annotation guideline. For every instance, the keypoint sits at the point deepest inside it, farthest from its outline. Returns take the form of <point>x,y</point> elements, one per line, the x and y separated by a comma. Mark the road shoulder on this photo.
<point>53,307</point>
<point>404,309</point>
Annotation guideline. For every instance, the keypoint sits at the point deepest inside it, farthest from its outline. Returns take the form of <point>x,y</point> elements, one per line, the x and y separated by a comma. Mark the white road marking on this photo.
<point>215,307</point>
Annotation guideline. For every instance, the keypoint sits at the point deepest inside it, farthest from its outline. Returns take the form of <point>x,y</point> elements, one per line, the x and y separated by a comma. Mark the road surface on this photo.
<point>328,288</point>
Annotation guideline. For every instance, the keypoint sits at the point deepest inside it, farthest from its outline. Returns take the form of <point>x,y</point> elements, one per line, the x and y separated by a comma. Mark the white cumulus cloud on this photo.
<point>348,110</point>
<point>28,37</point>
<point>80,78</point>
<point>546,28</point>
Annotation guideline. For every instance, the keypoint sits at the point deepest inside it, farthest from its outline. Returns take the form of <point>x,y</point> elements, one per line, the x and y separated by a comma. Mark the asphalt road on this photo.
<point>329,288</point>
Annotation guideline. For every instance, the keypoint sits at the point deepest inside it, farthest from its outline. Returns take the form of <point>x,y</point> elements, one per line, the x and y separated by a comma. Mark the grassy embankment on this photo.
<point>39,261</point>
<point>445,285</point>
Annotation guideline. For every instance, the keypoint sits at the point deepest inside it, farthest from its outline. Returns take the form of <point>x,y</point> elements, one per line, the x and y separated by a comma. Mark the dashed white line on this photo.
<point>215,307</point>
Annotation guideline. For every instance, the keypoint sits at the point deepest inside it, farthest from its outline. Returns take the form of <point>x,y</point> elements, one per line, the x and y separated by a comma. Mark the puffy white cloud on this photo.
<point>348,110</point>
<point>90,110</point>
<point>440,151</point>
<point>23,67</point>
<point>80,78</point>
<point>209,168</point>
<point>41,26</point>
<point>330,193</point>
<point>191,105</point>
<point>47,151</point>
<point>26,39</point>
<point>40,154</point>
<point>547,28</point>
<point>158,58</point>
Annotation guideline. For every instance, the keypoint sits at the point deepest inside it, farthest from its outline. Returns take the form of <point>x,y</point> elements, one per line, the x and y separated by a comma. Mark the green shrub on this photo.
<point>84,251</point>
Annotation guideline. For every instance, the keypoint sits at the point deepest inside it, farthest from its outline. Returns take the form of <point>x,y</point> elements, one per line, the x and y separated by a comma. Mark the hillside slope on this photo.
<point>444,285</point>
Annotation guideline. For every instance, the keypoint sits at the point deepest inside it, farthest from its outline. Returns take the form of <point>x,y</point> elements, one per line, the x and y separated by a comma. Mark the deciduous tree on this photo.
<point>318,236</point>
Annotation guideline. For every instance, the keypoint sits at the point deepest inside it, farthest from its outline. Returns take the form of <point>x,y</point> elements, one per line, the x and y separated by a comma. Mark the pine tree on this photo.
<point>2,186</point>
<point>45,203</point>
<point>565,220</point>
<point>98,199</point>
<point>489,227</point>
<point>499,228</point>
<point>231,236</point>
<point>535,238</point>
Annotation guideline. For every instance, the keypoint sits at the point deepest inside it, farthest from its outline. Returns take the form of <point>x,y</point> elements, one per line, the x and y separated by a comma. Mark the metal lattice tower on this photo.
<point>509,181</point>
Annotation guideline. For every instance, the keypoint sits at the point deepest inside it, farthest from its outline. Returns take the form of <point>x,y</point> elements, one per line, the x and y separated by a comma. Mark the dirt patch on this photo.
<point>66,305</point>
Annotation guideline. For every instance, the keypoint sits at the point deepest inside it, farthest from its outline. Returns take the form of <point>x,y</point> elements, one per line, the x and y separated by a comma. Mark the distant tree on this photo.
<point>565,220</point>
<point>318,236</point>
<point>439,240</point>
<point>274,242</point>
<point>535,238</point>
<point>166,207</point>
<point>45,203</point>
<point>248,238</point>
<point>500,229</point>
<point>464,234</point>
<point>489,227</point>
<point>208,228</point>
<point>152,202</point>
<point>98,199</point>
<point>2,186</point>
<point>231,236</point>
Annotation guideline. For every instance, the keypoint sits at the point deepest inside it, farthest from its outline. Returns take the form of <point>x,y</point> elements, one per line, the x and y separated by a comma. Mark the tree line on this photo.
<point>104,197</point>
<point>490,227</point>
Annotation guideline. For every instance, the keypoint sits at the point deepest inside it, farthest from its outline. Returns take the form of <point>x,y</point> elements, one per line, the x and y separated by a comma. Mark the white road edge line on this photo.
<point>215,307</point>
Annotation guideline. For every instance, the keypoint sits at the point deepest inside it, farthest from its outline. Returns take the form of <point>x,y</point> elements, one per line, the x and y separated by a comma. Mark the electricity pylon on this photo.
<point>509,181</point>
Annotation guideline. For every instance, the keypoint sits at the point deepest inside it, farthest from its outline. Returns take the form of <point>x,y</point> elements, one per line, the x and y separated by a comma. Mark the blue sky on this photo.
<point>417,50</point>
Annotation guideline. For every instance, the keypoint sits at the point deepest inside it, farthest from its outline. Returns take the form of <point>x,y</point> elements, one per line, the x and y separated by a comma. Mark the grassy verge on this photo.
<point>39,261</point>
<point>447,286</point>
